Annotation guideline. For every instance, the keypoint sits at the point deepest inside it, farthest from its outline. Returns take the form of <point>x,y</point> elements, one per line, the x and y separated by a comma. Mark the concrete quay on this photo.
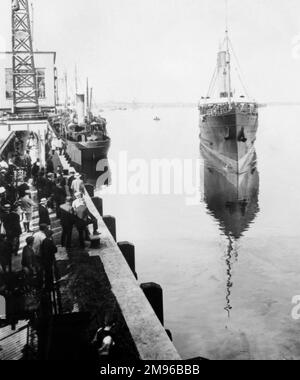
<point>148,334</point>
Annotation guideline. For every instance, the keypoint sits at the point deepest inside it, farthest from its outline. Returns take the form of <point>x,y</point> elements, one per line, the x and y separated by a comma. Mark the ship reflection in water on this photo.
<point>232,200</point>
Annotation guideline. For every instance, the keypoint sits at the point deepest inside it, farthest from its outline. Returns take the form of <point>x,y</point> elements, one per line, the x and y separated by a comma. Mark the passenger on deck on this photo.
<point>67,220</point>
<point>77,184</point>
<point>39,237</point>
<point>41,185</point>
<point>36,170</point>
<point>59,145</point>
<point>59,197</point>
<point>27,163</point>
<point>49,165</point>
<point>27,204</point>
<point>28,259</point>
<point>47,252</point>
<point>22,189</point>
<point>11,223</point>
<point>44,213</point>
<point>70,181</point>
<point>83,219</point>
<point>5,254</point>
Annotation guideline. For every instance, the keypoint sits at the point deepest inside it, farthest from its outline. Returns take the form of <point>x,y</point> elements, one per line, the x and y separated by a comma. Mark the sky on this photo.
<point>165,50</point>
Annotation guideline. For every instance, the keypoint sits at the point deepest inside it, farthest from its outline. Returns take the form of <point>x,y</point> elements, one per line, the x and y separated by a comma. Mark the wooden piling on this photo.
<point>128,251</point>
<point>110,223</point>
<point>98,202</point>
<point>154,294</point>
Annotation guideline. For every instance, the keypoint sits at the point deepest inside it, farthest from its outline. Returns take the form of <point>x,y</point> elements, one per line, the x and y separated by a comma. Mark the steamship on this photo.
<point>86,138</point>
<point>228,120</point>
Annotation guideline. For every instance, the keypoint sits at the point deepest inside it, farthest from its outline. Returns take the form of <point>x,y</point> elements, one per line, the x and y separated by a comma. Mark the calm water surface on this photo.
<point>228,282</point>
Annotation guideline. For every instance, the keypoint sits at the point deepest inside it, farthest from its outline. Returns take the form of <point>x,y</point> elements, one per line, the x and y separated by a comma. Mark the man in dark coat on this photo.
<point>50,165</point>
<point>22,189</point>
<point>5,254</point>
<point>28,257</point>
<point>48,251</point>
<point>44,213</point>
<point>67,220</point>
<point>59,197</point>
<point>11,222</point>
<point>70,181</point>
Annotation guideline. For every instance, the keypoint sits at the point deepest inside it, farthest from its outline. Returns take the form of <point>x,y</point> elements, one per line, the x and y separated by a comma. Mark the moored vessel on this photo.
<point>228,117</point>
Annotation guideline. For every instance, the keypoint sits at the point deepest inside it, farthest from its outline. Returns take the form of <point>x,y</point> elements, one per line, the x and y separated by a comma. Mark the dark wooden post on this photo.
<point>98,202</point>
<point>128,251</point>
<point>154,294</point>
<point>110,222</point>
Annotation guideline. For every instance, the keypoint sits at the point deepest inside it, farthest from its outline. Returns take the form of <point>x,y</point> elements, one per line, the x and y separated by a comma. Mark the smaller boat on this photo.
<point>156,118</point>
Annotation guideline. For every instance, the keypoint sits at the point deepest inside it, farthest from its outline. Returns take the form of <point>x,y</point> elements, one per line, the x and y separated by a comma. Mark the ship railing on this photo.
<point>223,109</point>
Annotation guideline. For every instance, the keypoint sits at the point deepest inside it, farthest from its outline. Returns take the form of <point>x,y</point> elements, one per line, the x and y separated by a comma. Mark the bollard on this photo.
<point>90,190</point>
<point>110,222</point>
<point>154,294</point>
<point>98,202</point>
<point>128,251</point>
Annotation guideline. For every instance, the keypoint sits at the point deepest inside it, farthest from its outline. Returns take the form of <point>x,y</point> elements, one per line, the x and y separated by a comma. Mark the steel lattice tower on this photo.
<point>25,95</point>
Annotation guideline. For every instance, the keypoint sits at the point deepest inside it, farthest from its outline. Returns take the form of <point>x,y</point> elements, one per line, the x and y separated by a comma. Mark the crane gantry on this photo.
<point>25,92</point>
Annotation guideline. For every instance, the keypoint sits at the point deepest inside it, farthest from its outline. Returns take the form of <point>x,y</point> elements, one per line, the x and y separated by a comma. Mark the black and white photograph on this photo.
<point>149,189</point>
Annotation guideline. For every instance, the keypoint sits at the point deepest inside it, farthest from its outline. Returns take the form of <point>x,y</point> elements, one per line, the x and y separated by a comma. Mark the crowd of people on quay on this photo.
<point>28,187</point>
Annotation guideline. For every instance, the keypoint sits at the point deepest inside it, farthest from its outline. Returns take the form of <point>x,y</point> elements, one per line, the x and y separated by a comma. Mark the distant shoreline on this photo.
<point>135,105</point>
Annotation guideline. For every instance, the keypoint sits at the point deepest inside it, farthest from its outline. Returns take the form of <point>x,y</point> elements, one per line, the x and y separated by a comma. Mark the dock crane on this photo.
<point>25,91</point>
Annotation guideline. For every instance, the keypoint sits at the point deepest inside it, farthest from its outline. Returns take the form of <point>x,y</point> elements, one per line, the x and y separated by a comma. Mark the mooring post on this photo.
<point>110,223</point>
<point>90,190</point>
<point>128,251</point>
<point>154,294</point>
<point>98,202</point>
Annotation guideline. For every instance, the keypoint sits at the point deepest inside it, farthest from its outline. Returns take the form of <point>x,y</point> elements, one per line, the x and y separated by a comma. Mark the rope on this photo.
<point>239,70</point>
<point>212,83</point>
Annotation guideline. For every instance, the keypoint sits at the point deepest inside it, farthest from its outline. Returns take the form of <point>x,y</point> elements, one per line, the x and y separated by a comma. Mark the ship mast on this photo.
<point>228,63</point>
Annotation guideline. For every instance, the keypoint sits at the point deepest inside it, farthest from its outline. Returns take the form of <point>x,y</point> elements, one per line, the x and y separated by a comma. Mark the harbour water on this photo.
<point>224,297</point>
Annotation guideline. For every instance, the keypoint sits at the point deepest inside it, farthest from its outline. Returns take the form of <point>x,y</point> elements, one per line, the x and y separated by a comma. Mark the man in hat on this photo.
<point>77,184</point>
<point>84,218</point>
<point>67,220</point>
<point>44,213</point>
<point>36,170</point>
<point>5,254</point>
<point>27,205</point>
<point>27,162</point>
<point>47,256</point>
<point>70,181</point>
<point>11,222</point>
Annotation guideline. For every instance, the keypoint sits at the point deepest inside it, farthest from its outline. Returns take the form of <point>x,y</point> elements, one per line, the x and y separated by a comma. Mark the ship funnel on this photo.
<point>80,108</point>
<point>15,5</point>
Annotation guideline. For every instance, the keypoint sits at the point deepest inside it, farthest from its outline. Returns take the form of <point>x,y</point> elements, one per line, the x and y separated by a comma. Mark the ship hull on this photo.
<point>87,157</point>
<point>230,138</point>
